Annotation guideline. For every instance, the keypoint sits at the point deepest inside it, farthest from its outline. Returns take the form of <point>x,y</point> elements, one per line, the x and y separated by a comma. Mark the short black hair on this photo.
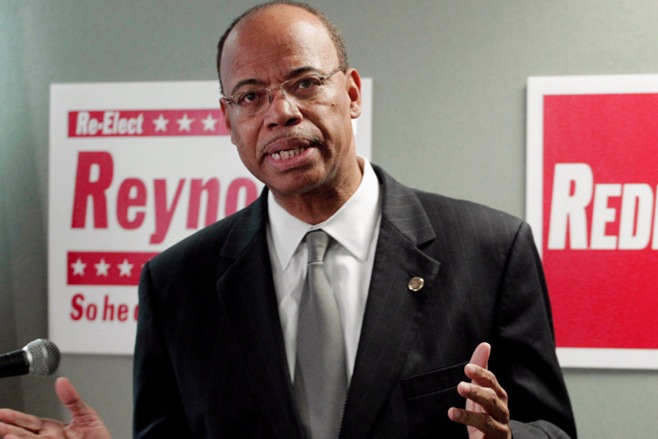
<point>336,37</point>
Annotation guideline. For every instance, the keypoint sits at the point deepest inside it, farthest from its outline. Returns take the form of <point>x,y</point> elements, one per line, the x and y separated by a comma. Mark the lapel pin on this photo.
<point>416,283</point>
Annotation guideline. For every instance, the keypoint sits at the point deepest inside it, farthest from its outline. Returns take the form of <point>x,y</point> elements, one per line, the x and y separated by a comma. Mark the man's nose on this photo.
<point>281,110</point>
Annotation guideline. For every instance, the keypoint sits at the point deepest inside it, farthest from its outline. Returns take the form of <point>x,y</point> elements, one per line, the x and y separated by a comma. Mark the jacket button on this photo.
<point>416,283</point>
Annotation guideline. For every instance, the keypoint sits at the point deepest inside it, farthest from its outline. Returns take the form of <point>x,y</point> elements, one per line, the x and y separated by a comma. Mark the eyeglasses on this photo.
<point>301,89</point>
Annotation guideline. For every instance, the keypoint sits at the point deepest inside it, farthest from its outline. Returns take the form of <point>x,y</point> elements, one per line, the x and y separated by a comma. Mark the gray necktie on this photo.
<point>320,371</point>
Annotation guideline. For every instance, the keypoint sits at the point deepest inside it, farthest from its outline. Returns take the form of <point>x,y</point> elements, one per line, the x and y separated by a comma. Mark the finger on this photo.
<point>481,421</point>
<point>477,370</point>
<point>481,355</point>
<point>487,399</point>
<point>70,397</point>
<point>66,392</point>
<point>22,435</point>
<point>83,415</point>
<point>484,378</point>
<point>10,431</point>
<point>20,419</point>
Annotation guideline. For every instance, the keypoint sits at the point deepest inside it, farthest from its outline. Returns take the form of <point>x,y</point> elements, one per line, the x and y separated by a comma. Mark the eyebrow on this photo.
<point>290,75</point>
<point>245,82</point>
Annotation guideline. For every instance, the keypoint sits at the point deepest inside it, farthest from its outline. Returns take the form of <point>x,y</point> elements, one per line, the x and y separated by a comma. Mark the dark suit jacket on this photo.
<point>210,359</point>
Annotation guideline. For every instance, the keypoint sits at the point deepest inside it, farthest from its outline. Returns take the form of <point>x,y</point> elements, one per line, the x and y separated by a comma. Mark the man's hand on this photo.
<point>85,422</point>
<point>486,414</point>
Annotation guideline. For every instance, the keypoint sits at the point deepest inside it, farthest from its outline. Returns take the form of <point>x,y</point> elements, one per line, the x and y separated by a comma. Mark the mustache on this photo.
<point>307,140</point>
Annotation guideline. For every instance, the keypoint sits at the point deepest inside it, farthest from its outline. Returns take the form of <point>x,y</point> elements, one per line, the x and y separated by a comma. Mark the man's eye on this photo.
<point>307,83</point>
<point>249,97</point>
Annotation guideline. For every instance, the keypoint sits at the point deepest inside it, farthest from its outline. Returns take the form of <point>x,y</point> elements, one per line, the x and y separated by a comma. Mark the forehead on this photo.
<point>270,43</point>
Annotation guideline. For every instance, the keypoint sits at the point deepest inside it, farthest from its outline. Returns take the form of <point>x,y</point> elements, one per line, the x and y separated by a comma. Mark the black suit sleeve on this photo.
<point>523,355</point>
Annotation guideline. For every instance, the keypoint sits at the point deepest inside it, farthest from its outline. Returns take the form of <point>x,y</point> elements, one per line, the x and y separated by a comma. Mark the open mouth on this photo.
<point>288,153</point>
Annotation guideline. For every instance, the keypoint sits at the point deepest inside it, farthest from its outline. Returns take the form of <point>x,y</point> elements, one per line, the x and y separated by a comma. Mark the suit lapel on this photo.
<point>247,293</point>
<point>390,322</point>
<point>392,311</point>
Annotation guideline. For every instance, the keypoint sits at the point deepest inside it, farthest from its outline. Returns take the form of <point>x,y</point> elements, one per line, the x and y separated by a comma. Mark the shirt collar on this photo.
<point>352,225</point>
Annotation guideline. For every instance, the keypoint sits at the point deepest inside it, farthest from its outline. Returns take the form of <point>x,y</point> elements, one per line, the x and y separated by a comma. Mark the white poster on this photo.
<point>134,168</point>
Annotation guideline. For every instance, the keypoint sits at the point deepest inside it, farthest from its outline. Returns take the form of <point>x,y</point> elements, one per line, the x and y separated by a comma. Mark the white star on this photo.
<point>78,268</point>
<point>209,123</point>
<point>184,123</point>
<point>161,123</point>
<point>101,268</point>
<point>125,268</point>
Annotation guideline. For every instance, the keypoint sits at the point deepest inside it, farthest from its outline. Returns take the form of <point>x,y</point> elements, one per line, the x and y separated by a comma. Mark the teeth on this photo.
<point>288,153</point>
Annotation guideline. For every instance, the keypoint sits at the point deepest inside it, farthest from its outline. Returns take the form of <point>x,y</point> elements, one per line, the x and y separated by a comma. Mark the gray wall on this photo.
<point>449,116</point>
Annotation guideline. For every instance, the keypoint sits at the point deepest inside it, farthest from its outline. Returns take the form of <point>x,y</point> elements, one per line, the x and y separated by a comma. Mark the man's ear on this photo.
<point>354,92</point>
<point>224,108</point>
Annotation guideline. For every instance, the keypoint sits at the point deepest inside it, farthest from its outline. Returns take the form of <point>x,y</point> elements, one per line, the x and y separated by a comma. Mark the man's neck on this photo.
<point>318,205</point>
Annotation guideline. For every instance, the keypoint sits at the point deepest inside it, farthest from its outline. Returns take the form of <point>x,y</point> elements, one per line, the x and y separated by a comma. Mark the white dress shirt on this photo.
<point>348,261</point>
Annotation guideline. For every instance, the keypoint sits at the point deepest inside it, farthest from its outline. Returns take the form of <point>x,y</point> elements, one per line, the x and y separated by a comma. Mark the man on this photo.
<point>419,281</point>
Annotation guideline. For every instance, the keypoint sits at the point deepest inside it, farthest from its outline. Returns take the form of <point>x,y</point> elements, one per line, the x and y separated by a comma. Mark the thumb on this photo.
<point>70,397</point>
<point>85,422</point>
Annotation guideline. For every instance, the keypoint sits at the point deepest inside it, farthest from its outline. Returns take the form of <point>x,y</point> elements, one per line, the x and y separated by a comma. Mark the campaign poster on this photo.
<point>592,180</point>
<point>134,168</point>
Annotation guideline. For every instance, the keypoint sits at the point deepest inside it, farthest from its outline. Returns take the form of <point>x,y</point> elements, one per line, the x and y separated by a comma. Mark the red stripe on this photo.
<point>146,123</point>
<point>105,268</point>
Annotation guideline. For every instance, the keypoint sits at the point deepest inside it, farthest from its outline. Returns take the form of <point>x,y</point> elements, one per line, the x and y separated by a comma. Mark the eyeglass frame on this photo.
<point>271,91</point>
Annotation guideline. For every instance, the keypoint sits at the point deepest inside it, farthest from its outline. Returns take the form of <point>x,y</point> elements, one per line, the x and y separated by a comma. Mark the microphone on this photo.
<point>39,357</point>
